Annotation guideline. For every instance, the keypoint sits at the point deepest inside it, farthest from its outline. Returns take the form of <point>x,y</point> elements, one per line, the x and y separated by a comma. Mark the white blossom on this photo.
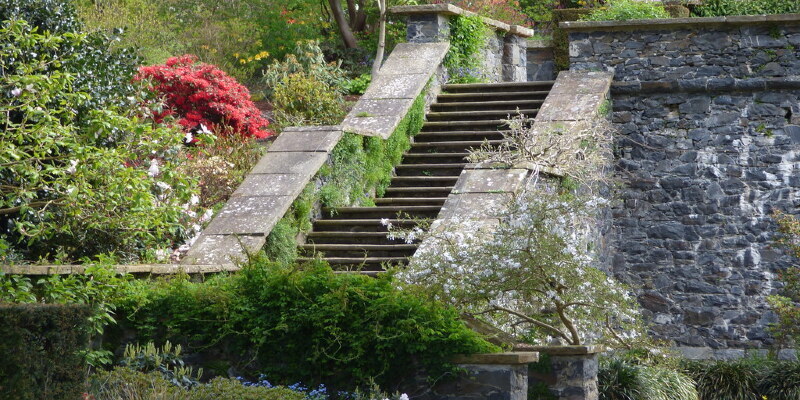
<point>154,170</point>
<point>16,92</point>
<point>72,167</point>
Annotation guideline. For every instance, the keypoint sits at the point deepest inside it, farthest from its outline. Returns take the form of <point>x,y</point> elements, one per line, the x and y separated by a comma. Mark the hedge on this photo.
<point>40,351</point>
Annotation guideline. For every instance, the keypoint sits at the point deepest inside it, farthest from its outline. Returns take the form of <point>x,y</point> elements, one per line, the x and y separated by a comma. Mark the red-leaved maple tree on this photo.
<point>201,95</point>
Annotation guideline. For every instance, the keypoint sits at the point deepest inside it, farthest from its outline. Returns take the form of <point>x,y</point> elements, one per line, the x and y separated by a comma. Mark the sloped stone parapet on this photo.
<point>390,95</point>
<point>266,193</point>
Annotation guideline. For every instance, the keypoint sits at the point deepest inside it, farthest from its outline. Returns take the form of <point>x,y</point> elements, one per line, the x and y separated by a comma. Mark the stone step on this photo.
<point>356,250</point>
<point>341,237</point>
<point>423,180</point>
<point>498,87</point>
<point>360,224</point>
<point>458,135</point>
<point>486,105</point>
<point>411,201</point>
<point>490,96</point>
<point>427,158</point>
<point>395,211</point>
<point>444,169</point>
<point>428,191</point>
<point>482,125</point>
<point>368,263</point>
<point>454,145</point>
<point>479,115</point>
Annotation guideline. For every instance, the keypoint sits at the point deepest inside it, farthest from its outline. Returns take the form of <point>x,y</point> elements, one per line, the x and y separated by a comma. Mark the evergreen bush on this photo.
<point>40,351</point>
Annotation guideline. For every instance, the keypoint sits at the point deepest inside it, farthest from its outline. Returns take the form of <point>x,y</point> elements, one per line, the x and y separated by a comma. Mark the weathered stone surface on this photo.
<point>484,381</point>
<point>540,64</point>
<point>406,86</point>
<point>508,358</point>
<point>490,181</point>
<point>223,249</point>
<point>475,205</point>
<point>306,140</point>
<point>381,125</point>
<point>569,350</point>
<point>573,377</point>
<point>249,215</point>
<point>271,185</point>
<point>564,107</point>
<point>300,163</point>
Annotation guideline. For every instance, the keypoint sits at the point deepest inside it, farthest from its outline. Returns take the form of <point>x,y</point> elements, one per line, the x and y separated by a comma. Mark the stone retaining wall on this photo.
<point>540,61</point>
<point>708,111</point>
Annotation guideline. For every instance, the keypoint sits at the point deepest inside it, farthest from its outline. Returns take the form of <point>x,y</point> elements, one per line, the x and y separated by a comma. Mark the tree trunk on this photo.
<point>376,66</point>
<point>359,23</point>
<point>344,28</point>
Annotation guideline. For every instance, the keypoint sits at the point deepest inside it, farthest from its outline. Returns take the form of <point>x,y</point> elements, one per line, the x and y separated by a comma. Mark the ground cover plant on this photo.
<point>718,8</point>
<point>623,10</point>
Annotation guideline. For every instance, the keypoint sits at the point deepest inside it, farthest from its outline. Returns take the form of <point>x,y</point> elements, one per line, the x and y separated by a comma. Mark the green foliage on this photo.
<point>623,10</point>
<point>41,345</point>
<point>165,360</point>
<point>58,164</point>
<point>728,380</point>
<point>782,381</point>
<point>625,379</point>
<point>123,383</point>
<point>96,69</point>
<point>358,85</point>
<point>302,99</point>
<point>307,324</point>
<point>786,304</point>
<point>468,35</point>
<point>309,60</point>
<point>718,8</point>
<point>539,10</point>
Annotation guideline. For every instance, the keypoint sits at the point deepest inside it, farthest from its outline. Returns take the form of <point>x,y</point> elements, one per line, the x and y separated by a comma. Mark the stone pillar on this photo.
<point>541,64</point>
<point>498,376</point>
<point>514,58</point>
<point>428,28</point>
<point>574,371</point>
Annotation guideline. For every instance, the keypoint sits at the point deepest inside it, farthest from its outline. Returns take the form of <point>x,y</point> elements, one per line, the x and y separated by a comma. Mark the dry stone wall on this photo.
<point>708,112</point>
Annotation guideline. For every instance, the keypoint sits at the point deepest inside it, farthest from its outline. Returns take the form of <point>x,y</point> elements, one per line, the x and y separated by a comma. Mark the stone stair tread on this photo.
<point>456,143</point>
<point>446,96</point>
<point>356,246</point>
<point>457,114</point>
<point>393,200</point>
<point>496,122</point>
<point>363,221</point>
<point>419,189</point>
<point>432,166</point>
<point>494,103</point>
<point>452,86</point>
<point>430,178</point>
<point>358,260</point>
<point>381,208</point>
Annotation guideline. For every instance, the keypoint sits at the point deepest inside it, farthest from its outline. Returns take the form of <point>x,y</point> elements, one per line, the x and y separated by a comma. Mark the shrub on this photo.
<point>782,381</point>
<point>95,68</point>
<point>60,163</point>
<point>308,324</point>
<point>728,380</point>
<point>165,360</point>
<point>41,349</point>
<point>786,304</point>
<point>309,60</point>
<point>302,99</point>
<point>620,379</point>
<point>623,10</point>
<point>123,383</point>
<point>468,35</point>
<point>718,8</point>
<point>358,85</point>
<point>201,95</point>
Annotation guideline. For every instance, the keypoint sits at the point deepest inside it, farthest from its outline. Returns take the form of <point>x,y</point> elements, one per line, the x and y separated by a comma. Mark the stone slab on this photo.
<point>475,205</point>
<point>306,140</point>
<point>301,163</point>
<point>582,82</point>
<point>380,125</point>
<point>249,215</point>
<point>223,249</point>
<point>397,65</point>
<point>508,358</point>
<point>312,128</point>
<point>490,181</point>
<point>271,185</point>
<point>427,51</point>
<point>569,350</point>
<point>570,107</point>
<point>405,86</point>
<point>380,107</point>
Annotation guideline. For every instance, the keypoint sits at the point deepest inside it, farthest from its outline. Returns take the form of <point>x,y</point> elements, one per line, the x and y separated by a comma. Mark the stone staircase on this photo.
<point>463,117</point>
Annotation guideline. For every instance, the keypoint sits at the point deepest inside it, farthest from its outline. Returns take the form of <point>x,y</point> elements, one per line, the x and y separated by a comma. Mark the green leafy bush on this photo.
<point>302,99</point>
<point>623,10</point>
<point>718,8</point>
<point>781,381</point>
<point>728,380</point>
<point>468,35</point>
<point>358,85</point>
<point>40,348</point>
<point>786,304</point>
<point>58,164</point>
<point>123,383</point>
<point>621,379</point>
<point>165,360</point>
<point>306,324</point>
<point>309,60</point>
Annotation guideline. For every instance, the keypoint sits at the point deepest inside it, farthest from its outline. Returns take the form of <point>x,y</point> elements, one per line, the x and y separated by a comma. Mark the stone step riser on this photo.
<point>357,253</point>
<point>480,116</point>
<point>385,214</point>
<point>412,201</point>
<point>361,264</point>
<point>344,239</point>
<point>426,158</point>
<point>424,170</point>
<point>480,97</point>
<point>475,126</point>
<point>423,181</point>
<point>356,225</point>
<point>499,87</point>
<point>486,105</point>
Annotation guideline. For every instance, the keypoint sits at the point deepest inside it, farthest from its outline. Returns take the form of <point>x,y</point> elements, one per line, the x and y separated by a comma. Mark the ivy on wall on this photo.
<point>468,36</point>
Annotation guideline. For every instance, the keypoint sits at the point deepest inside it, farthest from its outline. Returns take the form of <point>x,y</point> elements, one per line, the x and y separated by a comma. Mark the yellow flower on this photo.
<point>242,61</point>
<point>236,55</point>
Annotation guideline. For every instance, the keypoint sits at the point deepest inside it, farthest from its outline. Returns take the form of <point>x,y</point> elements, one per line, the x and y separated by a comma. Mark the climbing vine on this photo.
<point>468,35</point>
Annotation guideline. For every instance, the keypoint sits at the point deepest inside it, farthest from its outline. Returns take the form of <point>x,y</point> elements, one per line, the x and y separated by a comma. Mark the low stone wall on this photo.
<point>504,58</point>
<point>708,112</point>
